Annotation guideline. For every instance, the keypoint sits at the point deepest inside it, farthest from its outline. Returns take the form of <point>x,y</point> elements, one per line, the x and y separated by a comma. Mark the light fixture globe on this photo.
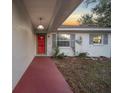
<point>40,27</point>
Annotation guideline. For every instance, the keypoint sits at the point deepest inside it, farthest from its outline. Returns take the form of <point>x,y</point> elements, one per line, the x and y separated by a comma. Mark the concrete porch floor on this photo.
<point>42,76</point>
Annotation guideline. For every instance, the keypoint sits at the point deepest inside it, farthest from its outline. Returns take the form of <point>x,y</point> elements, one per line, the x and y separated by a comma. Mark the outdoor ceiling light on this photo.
<point>40,27</point>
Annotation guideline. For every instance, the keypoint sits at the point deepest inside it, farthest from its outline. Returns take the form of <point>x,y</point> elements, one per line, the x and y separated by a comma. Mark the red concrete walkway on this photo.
<point>42,76</point>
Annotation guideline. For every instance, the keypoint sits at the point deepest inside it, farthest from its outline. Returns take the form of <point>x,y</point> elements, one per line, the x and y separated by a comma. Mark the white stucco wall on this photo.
<point>49,44</point>
<point>93,50</point>
<point>66,50</point>
<point>23,41</point>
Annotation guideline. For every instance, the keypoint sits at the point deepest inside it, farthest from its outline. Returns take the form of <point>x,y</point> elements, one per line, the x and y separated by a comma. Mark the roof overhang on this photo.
<point>53,12</point>
<point>84,30</point>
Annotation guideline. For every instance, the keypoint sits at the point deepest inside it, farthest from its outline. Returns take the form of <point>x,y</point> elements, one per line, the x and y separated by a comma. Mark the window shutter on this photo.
<point>54,41</point>
<point>105,39</point>
<point>72,42</point>
<point>91,39</point>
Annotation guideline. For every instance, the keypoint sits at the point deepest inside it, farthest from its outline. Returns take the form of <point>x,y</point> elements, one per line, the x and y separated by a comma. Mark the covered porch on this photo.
<point>25,17</point>
<point>42,76</point>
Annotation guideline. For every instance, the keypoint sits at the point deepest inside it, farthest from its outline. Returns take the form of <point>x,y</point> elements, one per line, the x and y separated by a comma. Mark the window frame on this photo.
<point>57,40</point>
<point>94,35</point>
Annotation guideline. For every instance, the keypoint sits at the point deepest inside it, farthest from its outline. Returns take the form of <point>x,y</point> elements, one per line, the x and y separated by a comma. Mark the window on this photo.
<point>98,38</point>
<point>63,40</point>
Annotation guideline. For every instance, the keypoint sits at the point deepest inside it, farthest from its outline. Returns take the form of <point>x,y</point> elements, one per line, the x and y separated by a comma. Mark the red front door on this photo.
<point>41,44</point>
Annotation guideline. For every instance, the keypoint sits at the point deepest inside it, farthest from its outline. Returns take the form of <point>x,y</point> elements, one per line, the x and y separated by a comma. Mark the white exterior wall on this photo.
<point>23,41</point>
<point>93,50</point>
<point>66,50</point>
<point>49,44</point>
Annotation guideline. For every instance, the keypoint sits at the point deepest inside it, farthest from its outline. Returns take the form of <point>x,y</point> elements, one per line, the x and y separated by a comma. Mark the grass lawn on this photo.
<point>86,75</point>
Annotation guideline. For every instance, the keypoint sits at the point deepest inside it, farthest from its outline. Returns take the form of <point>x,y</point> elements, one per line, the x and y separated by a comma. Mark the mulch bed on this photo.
<point>86,75</point>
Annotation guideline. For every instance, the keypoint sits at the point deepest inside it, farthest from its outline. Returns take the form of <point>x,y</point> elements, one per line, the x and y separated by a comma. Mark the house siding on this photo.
<point>84,46</point>
<point>94,50</point>
<point>49,44</point>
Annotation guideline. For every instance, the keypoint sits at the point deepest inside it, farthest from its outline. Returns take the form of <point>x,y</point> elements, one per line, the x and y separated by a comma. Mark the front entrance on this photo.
<point>41,44</point>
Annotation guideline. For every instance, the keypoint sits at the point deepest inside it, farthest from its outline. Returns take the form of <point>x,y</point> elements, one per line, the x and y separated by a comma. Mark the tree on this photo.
<point>103,12</point>
<point>86,19</point>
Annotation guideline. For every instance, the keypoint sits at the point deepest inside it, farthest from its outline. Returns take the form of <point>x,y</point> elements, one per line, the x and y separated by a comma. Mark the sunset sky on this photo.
<point>80,10</point>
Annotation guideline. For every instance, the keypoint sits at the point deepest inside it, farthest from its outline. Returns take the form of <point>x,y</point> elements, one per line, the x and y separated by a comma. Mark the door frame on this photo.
<point>45,44</point>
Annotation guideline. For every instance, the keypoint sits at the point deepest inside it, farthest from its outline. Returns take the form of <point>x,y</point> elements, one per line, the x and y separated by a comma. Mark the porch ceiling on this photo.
<point>52,12</point>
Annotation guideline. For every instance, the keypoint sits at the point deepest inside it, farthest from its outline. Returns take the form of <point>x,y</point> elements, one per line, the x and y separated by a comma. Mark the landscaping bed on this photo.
<point>85,75</point>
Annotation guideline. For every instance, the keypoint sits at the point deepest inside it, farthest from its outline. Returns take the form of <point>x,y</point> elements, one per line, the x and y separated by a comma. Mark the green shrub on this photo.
<point>56,52</point>
<point>61,56</point>
<point>83,55</point>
